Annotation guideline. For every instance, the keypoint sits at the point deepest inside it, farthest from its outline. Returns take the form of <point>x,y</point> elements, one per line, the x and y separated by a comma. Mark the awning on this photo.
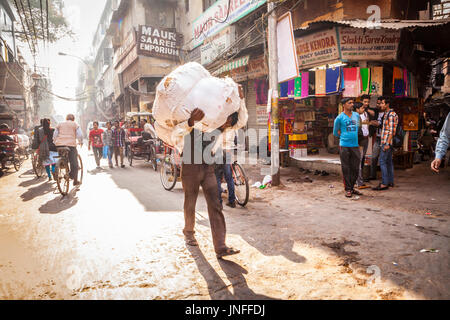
<point>241,62</point>
<point>384,24</point>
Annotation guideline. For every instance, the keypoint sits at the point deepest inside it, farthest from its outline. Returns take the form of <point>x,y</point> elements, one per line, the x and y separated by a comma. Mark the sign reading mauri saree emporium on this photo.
<point>368,44</point>
<point>219,16</point>
<point>317,49</point>
<point>158,42</point>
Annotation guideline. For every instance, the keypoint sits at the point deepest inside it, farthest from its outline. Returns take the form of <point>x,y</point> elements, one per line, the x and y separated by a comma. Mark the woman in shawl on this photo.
<point>47,149</point>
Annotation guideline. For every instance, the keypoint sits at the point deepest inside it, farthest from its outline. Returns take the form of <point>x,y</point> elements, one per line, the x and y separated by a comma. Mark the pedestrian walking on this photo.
<point>390,121</point>
<point>96,141</point>
<point>108,142</point>
<point>376,124</point>
<point>363,141</point>
<point>346,129</point>
<point>47,149</point>
<point>442,145</point>
<point>224,169</point>
<point>118,143</point>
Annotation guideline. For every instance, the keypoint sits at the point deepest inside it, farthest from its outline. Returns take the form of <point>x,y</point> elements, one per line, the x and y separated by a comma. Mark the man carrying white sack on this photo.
<point>198,170</point>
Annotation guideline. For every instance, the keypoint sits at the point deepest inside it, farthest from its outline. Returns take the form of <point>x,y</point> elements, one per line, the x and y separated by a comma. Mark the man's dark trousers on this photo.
<point>193,176</point>
<point>350,163</point>
<point>73,160</point>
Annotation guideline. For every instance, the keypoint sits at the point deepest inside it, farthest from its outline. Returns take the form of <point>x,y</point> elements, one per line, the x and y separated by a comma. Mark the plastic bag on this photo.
<point>172,91</point>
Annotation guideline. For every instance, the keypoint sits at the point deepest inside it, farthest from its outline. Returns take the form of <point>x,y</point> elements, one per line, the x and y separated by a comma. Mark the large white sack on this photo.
<point>23,141</point>
<point>173,89</point>
<point>217,98</point>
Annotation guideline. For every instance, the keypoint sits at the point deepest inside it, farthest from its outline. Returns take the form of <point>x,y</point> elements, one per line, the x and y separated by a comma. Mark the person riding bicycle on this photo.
<point>66,135</point>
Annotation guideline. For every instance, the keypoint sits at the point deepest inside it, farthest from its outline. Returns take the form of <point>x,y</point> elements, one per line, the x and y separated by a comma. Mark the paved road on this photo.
<point>119,237</point>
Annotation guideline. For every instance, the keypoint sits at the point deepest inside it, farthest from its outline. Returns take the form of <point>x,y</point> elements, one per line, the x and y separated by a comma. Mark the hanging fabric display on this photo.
<point>261,89</point>
<point>342,86</point>
<point>398,82</point>
<point>405,81</point>
<point>291,88</point>
<point>283,90</point>
<point>352,82</point>
<point>376,81</point>
<point>320,82</point>
<point>305,85</point>
<point>333,80</point>
<point>365,80</point>
<point>312,84</point>
<point>298,87</point>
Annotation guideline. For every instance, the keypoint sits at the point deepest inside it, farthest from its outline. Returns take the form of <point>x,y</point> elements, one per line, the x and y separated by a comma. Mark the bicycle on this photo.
<point>62,170</point>
<point>241,186</point>
<point>38,168</point>
<point>170,168</point>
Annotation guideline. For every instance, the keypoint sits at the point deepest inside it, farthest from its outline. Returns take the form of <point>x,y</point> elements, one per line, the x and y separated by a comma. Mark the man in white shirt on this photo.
<point>148,127</point>
<point>363,141</point>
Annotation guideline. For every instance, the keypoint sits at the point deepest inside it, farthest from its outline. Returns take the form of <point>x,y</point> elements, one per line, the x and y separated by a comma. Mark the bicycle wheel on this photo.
<point>168,174</point>
<point>241,187</point>
<point>38,168</point>
<point>16,161</point>
<point>152,158</point>
<point>80,170</point>
<point>62,177</point>
<point>130,156</point>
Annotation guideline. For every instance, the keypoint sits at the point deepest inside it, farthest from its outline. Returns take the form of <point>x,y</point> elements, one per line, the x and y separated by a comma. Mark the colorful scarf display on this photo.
<point>320,82</point>
<point>312,84</point>
<point>352,82</point>
<point>333,80</point>
<point>398,88</point>
<point>365,80</point>
<point>298,87</point>
<point>283,90</point>
<point>291,88</point>
<point>305,85</point>
<point>376,81</point>
<point>261,88</point>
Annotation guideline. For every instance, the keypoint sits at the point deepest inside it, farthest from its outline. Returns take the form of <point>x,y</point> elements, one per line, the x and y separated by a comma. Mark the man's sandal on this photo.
<point>348,194</point>
<point>357,192</point>
<point>227,252</point>
<point>378,188</point>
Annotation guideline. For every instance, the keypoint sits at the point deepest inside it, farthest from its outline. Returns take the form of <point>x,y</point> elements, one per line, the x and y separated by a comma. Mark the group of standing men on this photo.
<point>354,126</point>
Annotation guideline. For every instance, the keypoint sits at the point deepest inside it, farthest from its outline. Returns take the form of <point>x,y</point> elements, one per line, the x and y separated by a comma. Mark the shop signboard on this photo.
<point>262,117</point>
<point>256,68</point>
<point>219,16</point>
<point>317,49</point>
<point>216,45</point>
<point>16,104</point>
<point>125,48</point>
<point>158,42</point>
<point>368,44</point>
<point>287,53</point>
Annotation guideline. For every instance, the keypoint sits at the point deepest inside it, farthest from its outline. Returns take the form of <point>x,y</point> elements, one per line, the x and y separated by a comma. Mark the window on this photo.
<point>186,4</point>
<point>207,4</point>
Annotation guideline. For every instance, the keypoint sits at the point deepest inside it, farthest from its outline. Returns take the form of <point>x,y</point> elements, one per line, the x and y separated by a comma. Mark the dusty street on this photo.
<point>120,237</point>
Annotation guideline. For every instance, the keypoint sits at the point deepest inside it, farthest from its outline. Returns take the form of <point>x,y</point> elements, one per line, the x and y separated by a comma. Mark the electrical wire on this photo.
<point>32,22</point>
<point>42,21</point>
<point>28,26</point>
<point>23,26</point>
<point>48,32</point>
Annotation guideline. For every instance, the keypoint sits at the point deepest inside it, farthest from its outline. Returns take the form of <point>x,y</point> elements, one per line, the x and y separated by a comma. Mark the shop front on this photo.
<point>342,62</point>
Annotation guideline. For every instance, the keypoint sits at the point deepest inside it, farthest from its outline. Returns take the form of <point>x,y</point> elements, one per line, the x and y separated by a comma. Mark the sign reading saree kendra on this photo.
<point>317,49</point>
<point>368,44</point>
<point>158,42</point>
<point>219,16</point>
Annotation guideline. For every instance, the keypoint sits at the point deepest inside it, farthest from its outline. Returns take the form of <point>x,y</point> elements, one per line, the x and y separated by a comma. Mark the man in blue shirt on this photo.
<point>346,128</point>
<point>442,145</point>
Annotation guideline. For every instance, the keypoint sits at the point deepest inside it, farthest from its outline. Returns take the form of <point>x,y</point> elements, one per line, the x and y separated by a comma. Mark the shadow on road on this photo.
<point>37,191</point>
<point>266,242</point>
<point>31,182</point>
<point>217,288</point>
<point>60,203</point>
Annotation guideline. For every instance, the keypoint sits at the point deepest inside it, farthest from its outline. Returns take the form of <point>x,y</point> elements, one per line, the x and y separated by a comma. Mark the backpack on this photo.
<point>397,140</point>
